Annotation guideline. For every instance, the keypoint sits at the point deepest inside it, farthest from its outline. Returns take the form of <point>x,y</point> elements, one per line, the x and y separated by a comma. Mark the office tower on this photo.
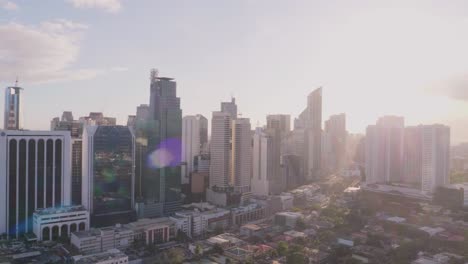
<point>412,153</point>
<point>220,150</point>
<point>384,150</point>
<point>13,109</point>
<point>194,142</point>
<point>131,120</point>
<point>241,156</point>
<point>313,126</point>
<point>262,163</point>
<point>230,108</point>
<point>34,173</point>
<point>163,132</point>
<point>199,180</point>
<point>108,174</point>
<point>278,126</point>
<point>280,122</point>
<point>334,147</point>
<point>67,123</point>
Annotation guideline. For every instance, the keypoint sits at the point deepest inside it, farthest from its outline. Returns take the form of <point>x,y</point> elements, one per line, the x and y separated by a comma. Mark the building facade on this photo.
<point>13,109</point>
<point>53,223</point>
<point>241,155</point>
<point>194,142</point>
<point>36,169</point>
<point>108,174</point>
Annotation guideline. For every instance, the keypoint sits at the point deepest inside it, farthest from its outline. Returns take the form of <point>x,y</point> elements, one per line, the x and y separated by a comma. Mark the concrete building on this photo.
<point>230,108</point>
<point>196,223</point>
<point>248,213</point>
<point>52,223</point>
<point>278,127</point>
<point>111,256</point>
<point>313,127</point>
<point>35,170</point>
<point>241,156</point>
<point>108,174</point>
<point>194,142</point>
<point>220,150</point>
<point>103,239</point>
<point>12,117</point>
<point>97,119</point>
<point>334,143</point>
<point>262,163</point>
<point>384,150</point>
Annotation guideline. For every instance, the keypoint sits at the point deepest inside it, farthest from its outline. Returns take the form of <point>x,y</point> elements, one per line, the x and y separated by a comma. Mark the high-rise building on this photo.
<point>313,126</point>
<point>220,150</point>
<point>334,143</point>
<point>384,150</point>
<point>97,119</point>
<point>67,123</point>
<point>35,172</point>
<point>108,174</point>
<point>278,127</point>
<point>241,155</point>
<point>230,108</point>
<point>163,132</point>
<point>194,142</point>
<point>13,109</point>
<point>262,163</point>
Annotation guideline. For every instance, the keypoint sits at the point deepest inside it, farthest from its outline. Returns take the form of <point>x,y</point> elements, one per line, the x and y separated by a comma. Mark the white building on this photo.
<point>220,150</point>
<point>262,159</point>
<point>153,231</point>
<point>100,240</point>
<point>112,256</point>
<point>194,142</point>
<point>241,165</point>
<point>435,156</point>
<point>35,172</point>
<point>13,109</point>
<point>196,223</point>
<point>51,223</point>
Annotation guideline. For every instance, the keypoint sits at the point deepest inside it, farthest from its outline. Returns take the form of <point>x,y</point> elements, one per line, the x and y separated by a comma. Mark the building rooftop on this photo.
<point>59,210</point>
<point>108,255</point>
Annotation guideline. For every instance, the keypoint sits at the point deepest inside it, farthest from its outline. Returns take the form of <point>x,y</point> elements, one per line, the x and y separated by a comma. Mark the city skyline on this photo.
<point>311,42</point>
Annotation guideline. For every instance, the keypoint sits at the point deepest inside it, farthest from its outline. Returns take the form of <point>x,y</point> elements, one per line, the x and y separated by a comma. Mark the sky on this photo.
<point>372,58</point>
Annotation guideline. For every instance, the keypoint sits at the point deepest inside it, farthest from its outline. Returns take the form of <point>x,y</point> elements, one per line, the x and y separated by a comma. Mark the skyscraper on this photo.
<point>262,163</point>
<point>334,149</point>
<point>13,109</point>
<point>278,126</point>
<point>313,125</point>
<point>384,150</point>
<point>230,108</point>
<point>241,155</point>
<point>220,150</point>
<point>194,142</point>
<point>164,135</point>
<point>108,174</point>
<point>34,173</point>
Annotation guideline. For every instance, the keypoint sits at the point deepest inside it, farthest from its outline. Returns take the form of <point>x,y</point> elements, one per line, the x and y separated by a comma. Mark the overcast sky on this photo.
<point>372,58</point>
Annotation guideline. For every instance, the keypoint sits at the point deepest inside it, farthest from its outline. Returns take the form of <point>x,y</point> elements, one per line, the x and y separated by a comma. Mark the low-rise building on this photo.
<point>52,223</point>
<point>195,223</point>
<point>112,256</point>
<point>287,218</point>
<point>153,231</point>
<point>244,214</point>
<point>100,240</point>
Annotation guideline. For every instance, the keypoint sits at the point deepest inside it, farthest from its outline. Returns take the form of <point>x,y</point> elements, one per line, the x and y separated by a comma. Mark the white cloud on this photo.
<point>8,5</point>
<point>42,53</point>
<point>112,6</point>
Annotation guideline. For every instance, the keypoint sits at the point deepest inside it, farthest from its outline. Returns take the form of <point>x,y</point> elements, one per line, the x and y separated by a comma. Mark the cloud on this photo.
<point>8,5</point>
<point>43,53</point>
<point>112,6</point>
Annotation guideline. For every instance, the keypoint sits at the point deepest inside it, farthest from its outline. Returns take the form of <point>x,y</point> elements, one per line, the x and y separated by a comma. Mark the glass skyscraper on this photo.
<point>108,169</point>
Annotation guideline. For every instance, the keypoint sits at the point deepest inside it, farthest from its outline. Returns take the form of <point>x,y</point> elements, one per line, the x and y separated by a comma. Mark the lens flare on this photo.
<point>167,154</point>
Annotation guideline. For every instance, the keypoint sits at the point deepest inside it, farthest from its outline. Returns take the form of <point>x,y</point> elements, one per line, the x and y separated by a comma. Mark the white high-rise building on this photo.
<point>313,126</point>
<point>384,150</point>
<point>435,156</point>
<point>13,109</point>
<point>262,158</point>
<point>241,165</point>
<point>194,142</point>
<point>35,172</point>
<point>220,150</point>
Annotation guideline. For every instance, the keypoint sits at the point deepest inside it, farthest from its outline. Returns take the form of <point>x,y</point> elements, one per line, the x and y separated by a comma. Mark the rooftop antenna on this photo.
<point>16,82</point>
<point>154,74</point>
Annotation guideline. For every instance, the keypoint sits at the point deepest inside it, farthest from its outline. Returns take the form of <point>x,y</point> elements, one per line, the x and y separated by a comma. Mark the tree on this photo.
<point>282,248</point>
<point>175,255</point>
<point>296,258</point>
<point>300,224</point>
<point>218,249</point>
<point>198,250</point>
